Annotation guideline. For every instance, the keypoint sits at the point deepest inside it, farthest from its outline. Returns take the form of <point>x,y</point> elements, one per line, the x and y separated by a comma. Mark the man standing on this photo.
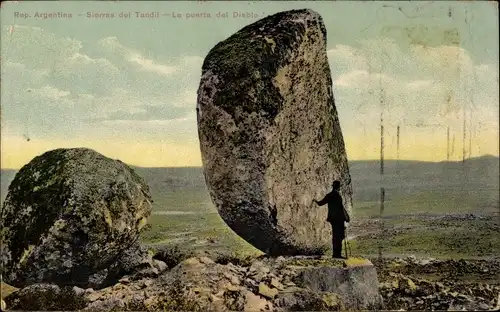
<point>337,215</point>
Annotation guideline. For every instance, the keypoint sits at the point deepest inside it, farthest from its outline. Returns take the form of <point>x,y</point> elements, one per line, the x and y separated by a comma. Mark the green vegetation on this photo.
<point>436,201</point>
<point>183,213</point>
<point>202,231</point>
<point>454,239</point>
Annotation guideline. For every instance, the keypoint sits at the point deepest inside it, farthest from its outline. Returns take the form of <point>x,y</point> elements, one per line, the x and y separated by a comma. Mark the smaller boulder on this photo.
<point>68,215</point>
<point>357,285</point>
<point>46,297</point>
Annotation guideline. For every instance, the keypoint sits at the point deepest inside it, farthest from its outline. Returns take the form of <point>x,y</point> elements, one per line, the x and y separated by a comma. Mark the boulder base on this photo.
<point>269,133</point>
<point>355,282</point>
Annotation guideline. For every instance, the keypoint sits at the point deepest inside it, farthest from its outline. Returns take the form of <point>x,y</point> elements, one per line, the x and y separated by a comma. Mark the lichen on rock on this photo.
<point>68,214</point>
<point>269,133</point>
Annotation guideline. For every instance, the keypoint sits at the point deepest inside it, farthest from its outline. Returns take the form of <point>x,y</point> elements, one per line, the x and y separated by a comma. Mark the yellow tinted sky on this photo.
<point>127,87</point>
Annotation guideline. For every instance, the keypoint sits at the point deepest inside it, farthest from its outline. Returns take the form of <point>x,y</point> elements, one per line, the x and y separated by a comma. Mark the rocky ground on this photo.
<point>430,284</point>
<point>201,284</point>
<point>210,283</point>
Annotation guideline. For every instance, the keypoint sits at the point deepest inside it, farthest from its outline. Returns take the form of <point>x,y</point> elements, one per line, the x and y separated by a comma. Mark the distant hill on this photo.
<point>399,176</point>
<point>7,175</point>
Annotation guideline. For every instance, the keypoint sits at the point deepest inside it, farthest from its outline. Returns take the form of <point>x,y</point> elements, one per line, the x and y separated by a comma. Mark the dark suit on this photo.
<point>337,215</point>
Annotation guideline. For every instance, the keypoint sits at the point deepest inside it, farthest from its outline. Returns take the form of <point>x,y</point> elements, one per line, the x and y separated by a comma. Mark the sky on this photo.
<point>126,86</point>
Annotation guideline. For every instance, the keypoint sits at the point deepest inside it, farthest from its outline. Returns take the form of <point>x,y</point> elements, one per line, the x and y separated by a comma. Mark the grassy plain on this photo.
<point>433,209</point>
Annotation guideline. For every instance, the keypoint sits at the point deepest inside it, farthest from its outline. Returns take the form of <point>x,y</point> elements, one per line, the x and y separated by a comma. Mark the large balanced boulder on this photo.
<point>69,214</point>
<point>269,133</point>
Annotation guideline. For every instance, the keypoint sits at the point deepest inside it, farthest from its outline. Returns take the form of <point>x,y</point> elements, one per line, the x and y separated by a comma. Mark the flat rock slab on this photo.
<point>356,282</point>
<point>269,133</point>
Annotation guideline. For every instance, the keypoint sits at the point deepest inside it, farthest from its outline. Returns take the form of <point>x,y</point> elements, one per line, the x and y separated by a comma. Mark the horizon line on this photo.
<point>356,160</point>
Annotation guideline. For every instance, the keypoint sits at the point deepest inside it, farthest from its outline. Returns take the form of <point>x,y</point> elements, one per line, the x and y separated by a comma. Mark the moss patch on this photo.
<point>353,262</point>
<point>326,262</point>
<point>27,252</point>
<point>333,300</point>
<point>6,289</point>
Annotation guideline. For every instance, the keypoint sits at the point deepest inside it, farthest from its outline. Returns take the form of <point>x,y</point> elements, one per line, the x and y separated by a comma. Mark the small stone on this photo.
<point>118,287</point>
<point>153,272</point>
<point>235,280</point>
<point>464,297</point>
<point>220,293</point>
<point>276,284</point>
<point>78,290</point>
<point>354,262</point>
<point>201,290</point>
<point>148,283</point>
<point>267,292</point>
<point>407,285</point>
<point>254,303</point>
<point>93,296</point>
<point>332,300</point>
<point>250,282</point>
<point>206,260</point>
<point>231,287</point>
<point>259,277</point>
<point>149,302</point>
<point>160,265</point>
<point>193,261</point>
<point>3,306</point>
<point>215,298</point>
<point>124,280</point>
<point>264,270</point>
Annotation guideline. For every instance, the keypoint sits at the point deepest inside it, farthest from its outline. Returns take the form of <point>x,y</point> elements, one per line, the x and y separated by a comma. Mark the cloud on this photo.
<point>363,79</point>
<point>36,47</point>
<point>148,113</point>
<point>101,90</point>
<point>191,61</point>
<point>18,75</point>
<point>424,90</point>
<point>420,85</point>
<point>148,65</point>
<point>79,60</point>
<point>149,122</point>
<point>111,44</point>
<point>52,93</point>
<point>344,58</point>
